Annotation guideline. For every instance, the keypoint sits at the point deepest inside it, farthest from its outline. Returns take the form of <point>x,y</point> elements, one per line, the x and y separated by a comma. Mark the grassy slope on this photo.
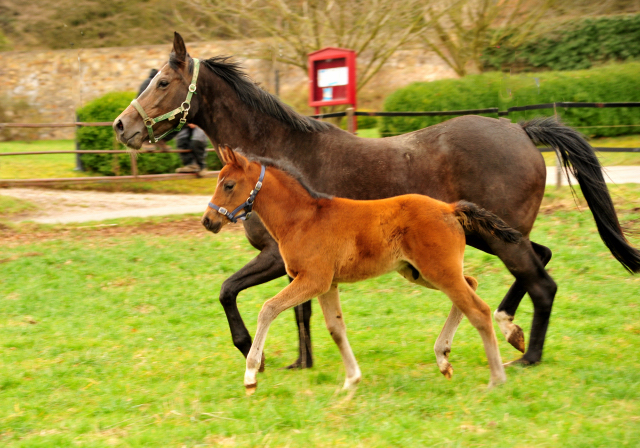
<point>118,339</point>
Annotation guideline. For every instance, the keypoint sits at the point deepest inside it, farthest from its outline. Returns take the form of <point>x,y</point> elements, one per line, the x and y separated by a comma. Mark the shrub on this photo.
<point>107,108</point>
<point>613,83</point>
<point>578,44</point>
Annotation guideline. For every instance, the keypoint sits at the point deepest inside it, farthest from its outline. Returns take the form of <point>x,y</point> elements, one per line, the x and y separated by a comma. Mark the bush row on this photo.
<point>613,83</point>
<point>107,108</point>
<point>578,44</point>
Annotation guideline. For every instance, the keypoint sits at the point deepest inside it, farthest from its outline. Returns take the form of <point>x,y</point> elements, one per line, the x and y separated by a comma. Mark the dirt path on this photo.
<point>65,206</point>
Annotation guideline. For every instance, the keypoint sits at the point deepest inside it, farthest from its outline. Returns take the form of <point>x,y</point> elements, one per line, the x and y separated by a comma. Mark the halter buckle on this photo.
<point>223,211</point>
<point>192,88</point>
<point>148,122</point>
<point>188,106</point>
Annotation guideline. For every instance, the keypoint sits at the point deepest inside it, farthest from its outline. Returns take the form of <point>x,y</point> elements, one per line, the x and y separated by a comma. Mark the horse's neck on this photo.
<point>282,203</point>
<point>228,121</point>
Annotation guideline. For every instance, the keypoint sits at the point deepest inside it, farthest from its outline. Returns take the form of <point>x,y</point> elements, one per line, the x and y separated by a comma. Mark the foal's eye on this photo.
<point>229,186</point>
<point>163,83</point>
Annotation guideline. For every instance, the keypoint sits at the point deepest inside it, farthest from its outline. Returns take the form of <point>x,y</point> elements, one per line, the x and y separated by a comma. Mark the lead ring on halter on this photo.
<point>184,109</point>
<point>247,205</point>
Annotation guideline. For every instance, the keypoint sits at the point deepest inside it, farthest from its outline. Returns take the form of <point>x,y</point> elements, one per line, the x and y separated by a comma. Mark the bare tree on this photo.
<point>375,29</point>
<point>460,31</point>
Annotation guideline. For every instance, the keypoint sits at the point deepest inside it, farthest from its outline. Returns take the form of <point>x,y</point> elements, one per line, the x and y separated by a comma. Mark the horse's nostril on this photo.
<point>119,126</point>
<point>205,222</point>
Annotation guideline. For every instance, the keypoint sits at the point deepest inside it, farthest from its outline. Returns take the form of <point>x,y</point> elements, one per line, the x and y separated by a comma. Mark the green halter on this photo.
<point>184,109</point>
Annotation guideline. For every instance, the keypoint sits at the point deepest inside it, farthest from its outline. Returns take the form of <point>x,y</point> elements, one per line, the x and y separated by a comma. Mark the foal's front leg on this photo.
<point>330,304</point>
<point>301,289</point>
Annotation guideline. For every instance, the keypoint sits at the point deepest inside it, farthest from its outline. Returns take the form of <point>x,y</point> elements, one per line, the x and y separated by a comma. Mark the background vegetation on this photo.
<point>616,82</point>
<point>577,44</point>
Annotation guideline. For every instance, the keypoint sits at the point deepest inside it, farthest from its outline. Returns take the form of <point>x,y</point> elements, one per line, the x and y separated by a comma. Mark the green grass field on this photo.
<point>62,165</point>
<point>111,334</point>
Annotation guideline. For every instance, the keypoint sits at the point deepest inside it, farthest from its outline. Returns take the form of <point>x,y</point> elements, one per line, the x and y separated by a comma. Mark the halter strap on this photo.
<point>184,109</point>
<point>247,206</point>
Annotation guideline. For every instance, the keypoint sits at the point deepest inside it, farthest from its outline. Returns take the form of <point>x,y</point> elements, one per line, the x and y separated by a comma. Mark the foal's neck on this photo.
<point>283,203</point>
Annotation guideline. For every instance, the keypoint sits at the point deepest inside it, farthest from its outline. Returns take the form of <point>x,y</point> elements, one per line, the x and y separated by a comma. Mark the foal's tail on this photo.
<point>579,159</point>
<point>477,220</point>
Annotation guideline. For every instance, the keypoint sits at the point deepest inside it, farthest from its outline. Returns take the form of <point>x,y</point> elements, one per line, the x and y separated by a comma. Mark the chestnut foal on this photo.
<point>325,241</point>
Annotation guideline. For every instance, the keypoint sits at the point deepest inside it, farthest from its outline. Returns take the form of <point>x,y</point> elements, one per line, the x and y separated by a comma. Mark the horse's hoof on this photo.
<point>261,368</point>
<point>516,338</point>
<point>297,364</point>
<point>250,389</point>
<point>520,362</point>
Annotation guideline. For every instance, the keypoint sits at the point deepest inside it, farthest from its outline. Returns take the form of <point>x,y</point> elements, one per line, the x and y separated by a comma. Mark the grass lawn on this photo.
<point>112,335</point>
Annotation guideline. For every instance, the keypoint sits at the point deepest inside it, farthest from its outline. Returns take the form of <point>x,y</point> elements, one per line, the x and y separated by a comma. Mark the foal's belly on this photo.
<point>352,272</point>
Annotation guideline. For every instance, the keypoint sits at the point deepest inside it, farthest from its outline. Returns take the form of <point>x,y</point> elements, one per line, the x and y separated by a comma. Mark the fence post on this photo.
<point>79,165</point>
<point>350,126</point>
<point>558,161</point>
<point>134,163</point>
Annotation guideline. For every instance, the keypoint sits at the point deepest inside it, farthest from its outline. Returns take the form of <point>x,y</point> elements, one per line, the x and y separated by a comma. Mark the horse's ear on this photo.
<point>179,49</point>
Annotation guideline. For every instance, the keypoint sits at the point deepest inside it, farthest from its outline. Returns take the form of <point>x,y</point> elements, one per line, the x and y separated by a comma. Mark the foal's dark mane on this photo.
<point>253,96</point>
<point>288,168</point>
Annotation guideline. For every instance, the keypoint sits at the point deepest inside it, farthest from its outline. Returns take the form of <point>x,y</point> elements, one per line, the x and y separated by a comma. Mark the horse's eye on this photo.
<point>229,186</point>
<point>163,83</point>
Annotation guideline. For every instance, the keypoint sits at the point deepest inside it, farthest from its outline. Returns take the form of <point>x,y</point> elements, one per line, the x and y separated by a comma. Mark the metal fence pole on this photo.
<point>350,126</point>
<point>558,161</point>
<point>79,165</point>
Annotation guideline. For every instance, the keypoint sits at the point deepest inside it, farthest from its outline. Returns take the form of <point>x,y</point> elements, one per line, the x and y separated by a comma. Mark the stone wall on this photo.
<point>55,83</point>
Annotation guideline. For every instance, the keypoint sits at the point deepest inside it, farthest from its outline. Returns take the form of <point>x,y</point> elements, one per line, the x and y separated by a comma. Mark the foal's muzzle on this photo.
<point>210,225</point>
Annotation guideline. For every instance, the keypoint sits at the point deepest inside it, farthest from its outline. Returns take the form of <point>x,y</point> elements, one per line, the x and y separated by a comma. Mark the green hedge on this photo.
<point>613,83</point>
<point>578,44</point>
<point>107,108</point>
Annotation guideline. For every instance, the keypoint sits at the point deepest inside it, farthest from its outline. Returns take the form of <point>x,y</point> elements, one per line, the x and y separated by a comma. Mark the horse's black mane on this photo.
<point>288,168</point>
<point>253,96</point>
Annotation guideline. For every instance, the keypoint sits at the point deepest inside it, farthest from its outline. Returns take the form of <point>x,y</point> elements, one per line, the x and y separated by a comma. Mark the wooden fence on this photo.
<point>349,113</point>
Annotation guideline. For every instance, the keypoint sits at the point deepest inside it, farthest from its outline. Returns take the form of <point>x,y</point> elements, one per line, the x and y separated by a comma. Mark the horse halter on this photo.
<point>184,109</point>
<point>247,206</point>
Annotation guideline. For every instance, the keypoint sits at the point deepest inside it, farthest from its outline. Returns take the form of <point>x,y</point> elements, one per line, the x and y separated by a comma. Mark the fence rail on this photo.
<point>348,113</point>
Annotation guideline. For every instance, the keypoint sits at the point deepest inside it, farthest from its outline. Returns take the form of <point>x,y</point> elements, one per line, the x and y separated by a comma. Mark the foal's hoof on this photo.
<point>516,338</point>
<point>261,368</point>
<point>250,389</point>
<point>447,371</point>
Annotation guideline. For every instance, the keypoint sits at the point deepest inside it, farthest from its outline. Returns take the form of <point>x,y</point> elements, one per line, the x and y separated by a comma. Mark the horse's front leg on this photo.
<point>304,287</point>
<point>267,266</point>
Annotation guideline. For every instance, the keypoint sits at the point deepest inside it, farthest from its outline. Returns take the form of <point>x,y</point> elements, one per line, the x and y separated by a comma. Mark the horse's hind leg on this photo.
<point>507,310</point>
<point>525,261</point>
<point>330,304</point>
<point>442,347</point>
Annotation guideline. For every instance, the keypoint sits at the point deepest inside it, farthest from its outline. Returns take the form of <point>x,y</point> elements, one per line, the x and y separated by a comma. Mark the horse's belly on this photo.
<point>352,272</point>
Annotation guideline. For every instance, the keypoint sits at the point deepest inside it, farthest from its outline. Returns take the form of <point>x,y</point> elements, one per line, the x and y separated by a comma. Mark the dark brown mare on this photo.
<point>490,162</point>
<point>325,241</point>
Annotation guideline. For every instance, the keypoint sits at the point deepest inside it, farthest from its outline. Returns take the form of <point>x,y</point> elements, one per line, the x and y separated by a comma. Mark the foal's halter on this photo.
<point>246,206</point>
<point>184,109</point>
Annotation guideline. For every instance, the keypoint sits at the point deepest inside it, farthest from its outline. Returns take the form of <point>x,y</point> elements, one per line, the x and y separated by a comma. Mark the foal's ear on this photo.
<point>227,154</point>
<point>179,49</point>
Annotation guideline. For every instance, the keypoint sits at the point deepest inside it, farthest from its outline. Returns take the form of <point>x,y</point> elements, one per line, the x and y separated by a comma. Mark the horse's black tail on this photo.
<point>477,220</point>
<point>579,159</point>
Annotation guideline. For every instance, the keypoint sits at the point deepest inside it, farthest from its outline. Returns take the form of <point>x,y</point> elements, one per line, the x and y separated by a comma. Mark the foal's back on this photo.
<point>364,239</point>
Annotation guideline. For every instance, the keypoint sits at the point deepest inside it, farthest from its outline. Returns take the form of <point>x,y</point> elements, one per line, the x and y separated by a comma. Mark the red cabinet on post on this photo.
<point>332,78</point>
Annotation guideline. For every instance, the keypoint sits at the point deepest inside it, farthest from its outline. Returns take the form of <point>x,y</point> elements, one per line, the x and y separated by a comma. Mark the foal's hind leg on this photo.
<point>330,304</point>
<point>442,347</point>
